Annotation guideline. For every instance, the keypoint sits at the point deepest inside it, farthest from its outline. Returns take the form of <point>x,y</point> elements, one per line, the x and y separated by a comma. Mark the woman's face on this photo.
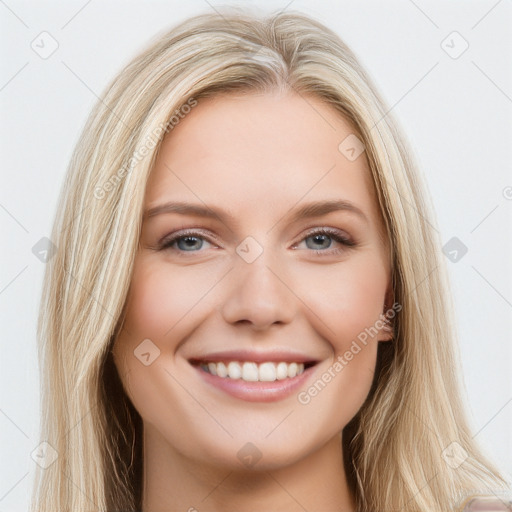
<point>256,285</point>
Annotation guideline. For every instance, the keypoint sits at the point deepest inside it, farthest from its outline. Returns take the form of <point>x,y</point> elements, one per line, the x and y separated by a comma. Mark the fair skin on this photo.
<point>258,158</point>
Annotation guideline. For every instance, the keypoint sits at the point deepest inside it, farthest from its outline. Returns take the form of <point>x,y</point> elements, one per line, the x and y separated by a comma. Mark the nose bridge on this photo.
<point>257,291</point>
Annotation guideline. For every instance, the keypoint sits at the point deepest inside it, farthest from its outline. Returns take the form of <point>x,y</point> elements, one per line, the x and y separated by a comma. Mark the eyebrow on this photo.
<point>308,210</point>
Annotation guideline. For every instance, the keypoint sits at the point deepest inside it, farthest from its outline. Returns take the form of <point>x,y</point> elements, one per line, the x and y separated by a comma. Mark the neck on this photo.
<point>174,482</point>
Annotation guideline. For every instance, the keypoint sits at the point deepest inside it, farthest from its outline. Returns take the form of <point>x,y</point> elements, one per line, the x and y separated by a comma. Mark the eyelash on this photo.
<point>330,232</point>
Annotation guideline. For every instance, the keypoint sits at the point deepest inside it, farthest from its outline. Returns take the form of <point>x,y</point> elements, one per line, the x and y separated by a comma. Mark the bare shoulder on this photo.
<point>488,504</point>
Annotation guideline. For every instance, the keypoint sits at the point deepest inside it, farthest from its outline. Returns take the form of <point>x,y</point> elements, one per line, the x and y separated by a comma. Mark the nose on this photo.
<point>259,294</point>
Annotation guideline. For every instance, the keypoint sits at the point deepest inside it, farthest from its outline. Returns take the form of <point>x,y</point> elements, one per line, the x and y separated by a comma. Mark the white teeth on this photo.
<point>267,372</point>
<point>252,372</point>
<point>282,371</point>
<point>234,370</point>
<point>292,369</point>
<point>222,371</point>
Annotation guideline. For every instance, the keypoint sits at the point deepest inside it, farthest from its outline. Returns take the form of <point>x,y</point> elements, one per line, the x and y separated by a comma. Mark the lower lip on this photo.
<point>257,391</point>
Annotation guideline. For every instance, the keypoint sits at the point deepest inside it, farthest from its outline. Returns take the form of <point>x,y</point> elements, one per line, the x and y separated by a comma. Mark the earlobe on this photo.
<point>387,331</point>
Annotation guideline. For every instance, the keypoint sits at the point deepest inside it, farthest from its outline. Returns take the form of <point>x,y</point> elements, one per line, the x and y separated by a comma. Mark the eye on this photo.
<point>185,241</point>
<point>321,241</point>
<point>318,240</point>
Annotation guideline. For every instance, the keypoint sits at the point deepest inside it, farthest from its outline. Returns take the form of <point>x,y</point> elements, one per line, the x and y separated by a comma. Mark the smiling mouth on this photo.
<point>250,371</point>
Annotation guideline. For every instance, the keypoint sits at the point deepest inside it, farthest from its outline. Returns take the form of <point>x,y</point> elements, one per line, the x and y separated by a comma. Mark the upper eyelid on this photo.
<point>200,233</point>
<point>176,235</point>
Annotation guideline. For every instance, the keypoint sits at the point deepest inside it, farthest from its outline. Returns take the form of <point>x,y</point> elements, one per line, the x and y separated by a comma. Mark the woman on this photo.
<point>201,349</point>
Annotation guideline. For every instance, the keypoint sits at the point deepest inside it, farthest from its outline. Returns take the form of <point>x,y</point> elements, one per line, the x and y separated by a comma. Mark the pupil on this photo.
<point>189,241</point>
<point>320,238</point>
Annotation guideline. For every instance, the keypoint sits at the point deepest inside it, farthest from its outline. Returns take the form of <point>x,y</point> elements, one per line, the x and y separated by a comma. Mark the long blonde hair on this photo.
<point>394,449</point>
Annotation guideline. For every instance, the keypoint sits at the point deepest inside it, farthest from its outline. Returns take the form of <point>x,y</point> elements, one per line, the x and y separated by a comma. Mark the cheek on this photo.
<point>162,299</point>
<point>157,311</point>
<point>344,309</point>
<point>162,306</point>
<point>348,302</point>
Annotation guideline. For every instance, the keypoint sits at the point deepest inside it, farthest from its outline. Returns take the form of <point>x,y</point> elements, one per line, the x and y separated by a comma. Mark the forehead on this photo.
<point>259,153</point>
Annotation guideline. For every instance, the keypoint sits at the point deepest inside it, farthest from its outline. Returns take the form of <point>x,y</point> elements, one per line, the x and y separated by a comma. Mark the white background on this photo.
<point>456,113</point>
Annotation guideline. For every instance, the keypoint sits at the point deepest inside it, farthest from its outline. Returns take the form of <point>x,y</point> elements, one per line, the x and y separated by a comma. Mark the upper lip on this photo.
<point>276,356</point>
